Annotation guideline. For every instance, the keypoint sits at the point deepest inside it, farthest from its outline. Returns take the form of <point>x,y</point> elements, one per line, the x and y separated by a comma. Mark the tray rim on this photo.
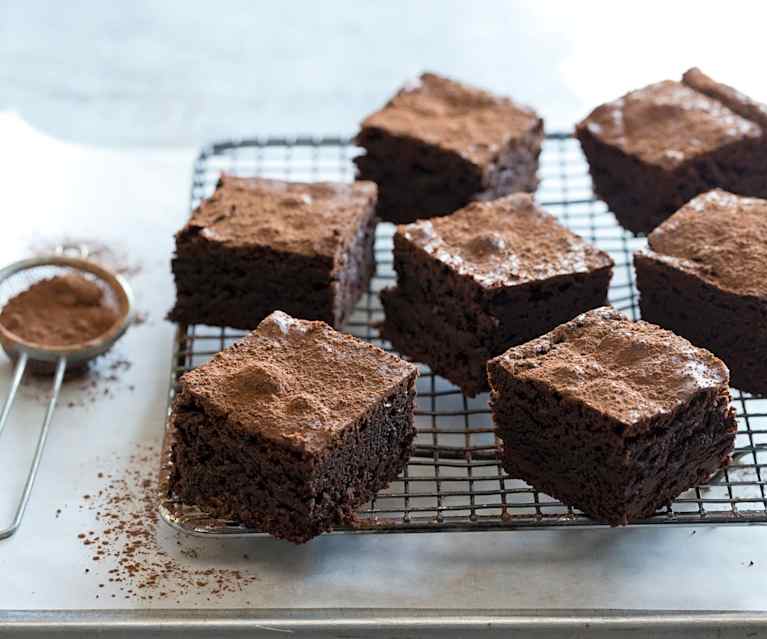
<point>405,622</point>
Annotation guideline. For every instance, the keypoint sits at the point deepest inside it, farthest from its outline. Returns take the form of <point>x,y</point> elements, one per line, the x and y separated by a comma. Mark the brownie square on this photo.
<point>489,276</point>
<point>260,245</point>
<point>704,276</point>
<point>613,417</point>
<point>653,149</point>
<point>438,144</point>
<point>291,428</point>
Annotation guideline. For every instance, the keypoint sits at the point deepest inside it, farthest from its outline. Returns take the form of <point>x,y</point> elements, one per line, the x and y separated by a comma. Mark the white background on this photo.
<point>152,72</point>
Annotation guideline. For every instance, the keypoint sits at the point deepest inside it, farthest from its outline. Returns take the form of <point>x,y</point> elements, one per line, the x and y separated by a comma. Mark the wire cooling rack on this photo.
<point>454,480</point>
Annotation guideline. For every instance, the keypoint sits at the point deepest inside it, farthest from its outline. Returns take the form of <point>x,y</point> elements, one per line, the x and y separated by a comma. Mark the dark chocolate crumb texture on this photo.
<point>653,149</point>
<point>292,428</point>
<point>610,416</point>
<point>704,276</point>
<point>438,144</point>
<point>494,274</point>
<point>259,245</point>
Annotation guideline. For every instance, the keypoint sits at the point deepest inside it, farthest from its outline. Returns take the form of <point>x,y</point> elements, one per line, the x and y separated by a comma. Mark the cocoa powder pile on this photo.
<point>59,311</point>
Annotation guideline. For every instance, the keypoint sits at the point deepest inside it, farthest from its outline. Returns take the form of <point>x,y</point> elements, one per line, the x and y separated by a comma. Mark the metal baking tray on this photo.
<point>454,481</point>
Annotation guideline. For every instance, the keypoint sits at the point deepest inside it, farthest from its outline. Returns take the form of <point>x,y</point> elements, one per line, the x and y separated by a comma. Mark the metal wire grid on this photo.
<point>454,480</point>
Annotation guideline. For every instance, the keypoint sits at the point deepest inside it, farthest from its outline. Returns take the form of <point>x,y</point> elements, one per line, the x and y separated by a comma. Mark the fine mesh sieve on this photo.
<point>18,277</point>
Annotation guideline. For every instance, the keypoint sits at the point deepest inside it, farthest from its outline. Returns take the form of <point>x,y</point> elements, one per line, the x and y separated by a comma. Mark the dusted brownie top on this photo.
<point>630,371</point>
<point>295,382</point>
<point>473,123</point>
<point>720,237</point>
<point>732,98</point>
<point>505,242</point>
<point>309,218</point>
<point>667,123</point>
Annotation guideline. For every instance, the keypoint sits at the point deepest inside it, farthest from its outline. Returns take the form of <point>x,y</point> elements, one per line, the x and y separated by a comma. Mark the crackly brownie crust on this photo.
<point>613,417</point>
<point>258,245</point>
<point>653,149</point>
<point>438,144</point>
<point>704,276</point>
<point>494,274</point>
<point>292,428</point>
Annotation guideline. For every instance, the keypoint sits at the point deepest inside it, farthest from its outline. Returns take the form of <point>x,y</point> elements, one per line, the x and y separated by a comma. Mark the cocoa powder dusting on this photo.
<point>126,549</point>
<point>60,311</point>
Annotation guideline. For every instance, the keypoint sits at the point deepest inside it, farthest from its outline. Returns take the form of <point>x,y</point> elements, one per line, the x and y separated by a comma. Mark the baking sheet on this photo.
<point>143,195</point>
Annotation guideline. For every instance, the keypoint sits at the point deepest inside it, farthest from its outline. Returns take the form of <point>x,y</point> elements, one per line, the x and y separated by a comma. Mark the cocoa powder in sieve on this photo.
<point>59,311</point>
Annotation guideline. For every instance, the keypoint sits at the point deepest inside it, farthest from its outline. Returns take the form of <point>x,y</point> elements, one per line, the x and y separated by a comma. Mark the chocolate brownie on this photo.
<point>260,245</point>
<point>438,144</point>
<point>613,417</point>
<point>489,276</point>
<point>652,150</point>
<point>292,428</point>
<point>704,276</point>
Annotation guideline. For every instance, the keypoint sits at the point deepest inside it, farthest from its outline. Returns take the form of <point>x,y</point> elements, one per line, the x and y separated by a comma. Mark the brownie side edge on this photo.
<point>417,330</point>
<point>729,325</point>
<point>354,269</point>
<point>515,168</point>
<point>415,179</point>
<point>216,286</point>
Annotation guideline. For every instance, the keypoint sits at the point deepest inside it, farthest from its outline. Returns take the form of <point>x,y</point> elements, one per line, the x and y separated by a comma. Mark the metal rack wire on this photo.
<point>454,480</point>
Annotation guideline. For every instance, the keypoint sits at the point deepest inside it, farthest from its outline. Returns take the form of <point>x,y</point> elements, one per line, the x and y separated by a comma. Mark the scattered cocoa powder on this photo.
<point>101,379</point>
<point>127,550</point>
<point>60,311</point>
<point>115,259</point>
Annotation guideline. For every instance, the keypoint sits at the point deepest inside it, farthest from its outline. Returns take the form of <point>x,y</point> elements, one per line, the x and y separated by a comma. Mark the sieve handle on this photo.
<point>21,365</point>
